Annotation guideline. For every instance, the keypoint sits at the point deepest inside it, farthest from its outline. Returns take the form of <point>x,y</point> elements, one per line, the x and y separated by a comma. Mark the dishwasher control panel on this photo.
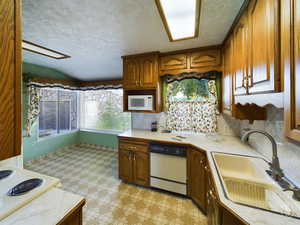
<point>168,149</point>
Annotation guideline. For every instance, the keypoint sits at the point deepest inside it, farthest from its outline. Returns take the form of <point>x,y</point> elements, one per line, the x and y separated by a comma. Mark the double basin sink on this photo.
<point>245,181</point>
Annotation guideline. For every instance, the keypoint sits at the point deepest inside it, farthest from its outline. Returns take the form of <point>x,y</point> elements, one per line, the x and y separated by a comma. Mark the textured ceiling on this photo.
<point>96,33</point>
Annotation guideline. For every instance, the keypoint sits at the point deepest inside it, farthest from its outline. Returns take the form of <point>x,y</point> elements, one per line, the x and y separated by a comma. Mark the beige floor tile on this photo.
<point>93,173</point>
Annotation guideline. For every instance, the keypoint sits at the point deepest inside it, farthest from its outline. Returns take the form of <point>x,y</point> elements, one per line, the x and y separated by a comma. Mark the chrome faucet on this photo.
<point>276,171</point>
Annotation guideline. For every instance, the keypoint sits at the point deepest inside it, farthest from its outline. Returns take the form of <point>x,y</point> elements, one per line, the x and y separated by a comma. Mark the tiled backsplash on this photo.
<point>289,154</point>
<point>142,121</point>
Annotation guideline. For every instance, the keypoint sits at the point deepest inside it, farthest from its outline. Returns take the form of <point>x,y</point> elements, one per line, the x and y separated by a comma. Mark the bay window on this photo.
<point>103,110</point>
<point>58,111</point>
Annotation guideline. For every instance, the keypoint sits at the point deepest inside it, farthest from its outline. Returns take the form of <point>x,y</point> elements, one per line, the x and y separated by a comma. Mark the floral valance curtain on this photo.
<point>33,107</point>
<point>73,87</point>
<point>191,102</point>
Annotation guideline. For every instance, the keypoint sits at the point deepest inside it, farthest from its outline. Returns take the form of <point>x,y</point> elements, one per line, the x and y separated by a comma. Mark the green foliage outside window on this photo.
<point>189,89</point>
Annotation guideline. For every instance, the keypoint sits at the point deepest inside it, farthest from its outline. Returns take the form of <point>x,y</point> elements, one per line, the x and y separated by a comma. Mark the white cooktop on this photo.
<point>9,204</point>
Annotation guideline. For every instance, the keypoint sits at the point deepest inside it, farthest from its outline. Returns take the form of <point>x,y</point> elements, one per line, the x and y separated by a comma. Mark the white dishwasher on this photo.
<point>168,167</point>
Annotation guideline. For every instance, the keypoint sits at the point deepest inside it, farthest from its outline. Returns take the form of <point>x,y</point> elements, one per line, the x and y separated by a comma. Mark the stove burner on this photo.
<point>25,187</point>
<point>5,173</point>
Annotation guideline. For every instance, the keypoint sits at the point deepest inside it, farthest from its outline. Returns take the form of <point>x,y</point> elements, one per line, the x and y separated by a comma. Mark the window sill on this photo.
<point>56,135</point>
<point>116,132</point>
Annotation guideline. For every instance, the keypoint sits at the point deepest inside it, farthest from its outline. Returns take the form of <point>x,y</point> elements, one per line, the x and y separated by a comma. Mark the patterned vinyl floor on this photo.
<point>93,173</point>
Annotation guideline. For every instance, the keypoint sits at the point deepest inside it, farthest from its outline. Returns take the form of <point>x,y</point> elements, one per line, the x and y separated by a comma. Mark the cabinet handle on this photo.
<point>133,157</point>
<point>140,83</point>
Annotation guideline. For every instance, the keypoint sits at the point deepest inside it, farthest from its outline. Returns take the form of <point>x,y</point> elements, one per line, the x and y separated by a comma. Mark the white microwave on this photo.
<point>140,102</point>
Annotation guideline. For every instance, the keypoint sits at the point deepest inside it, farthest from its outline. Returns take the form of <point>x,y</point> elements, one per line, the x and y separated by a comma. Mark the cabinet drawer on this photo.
<point>133,146</point>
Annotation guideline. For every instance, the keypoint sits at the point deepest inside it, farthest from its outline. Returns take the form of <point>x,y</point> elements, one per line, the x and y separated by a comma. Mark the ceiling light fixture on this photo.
<point>180,17</point>
<point>38,49</point>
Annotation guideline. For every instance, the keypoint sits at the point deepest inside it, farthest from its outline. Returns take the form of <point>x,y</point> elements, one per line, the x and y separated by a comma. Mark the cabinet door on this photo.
<point>296,63</point>
<point>213,212</point>
<point>10,79</point>
<point>126,165</point>
<point>197,178</point>
<point>131,73</point>
<point>173,62</point>
<point>264,46</point>
<point>73,218</point>
<point>213,208</point>
<point>205,59</point>
<point>141,168</point>
<point>149,71</point>
<point>241,57</point>
<point>290,41</point>
<point>227,78</point>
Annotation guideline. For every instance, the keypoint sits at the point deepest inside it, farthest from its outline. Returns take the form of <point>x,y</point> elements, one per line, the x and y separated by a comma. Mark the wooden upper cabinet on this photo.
<point>173,62</point>
<point>227,98</point>
<point>240,60</point>
<point>191,60</point>
<point>205,59</point>
<point>296,62</point>
<point>264,46</point>
<point>149,71</point>
<point>10,79</point>
<point>131,74</point>
<point>290,62</point>
<point>140,71</point>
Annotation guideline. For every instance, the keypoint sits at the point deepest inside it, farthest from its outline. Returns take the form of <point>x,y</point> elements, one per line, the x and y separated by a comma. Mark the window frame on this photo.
<point>57,116</point>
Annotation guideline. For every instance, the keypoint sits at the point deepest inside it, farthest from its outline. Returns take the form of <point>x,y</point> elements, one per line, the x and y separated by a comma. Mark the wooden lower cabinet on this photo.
<point>125,165</point>
<point>134,163</point>
<point>213,207</point>
<point>134,167</point>
<point>216,213</point>
<point>197,179</point>
<point>229,219</point>
<point>74,217</point>
<point>141,165</point>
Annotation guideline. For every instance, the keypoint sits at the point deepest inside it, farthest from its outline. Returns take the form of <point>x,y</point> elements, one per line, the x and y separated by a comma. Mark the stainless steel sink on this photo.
<point>245,181</point>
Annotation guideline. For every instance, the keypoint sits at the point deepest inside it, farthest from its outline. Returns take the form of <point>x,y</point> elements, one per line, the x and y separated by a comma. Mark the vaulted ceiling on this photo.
<point>96,33</point>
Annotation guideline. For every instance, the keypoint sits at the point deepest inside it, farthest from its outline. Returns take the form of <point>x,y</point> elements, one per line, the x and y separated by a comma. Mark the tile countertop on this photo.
<point>226,144</point>
<point>49,209</point>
